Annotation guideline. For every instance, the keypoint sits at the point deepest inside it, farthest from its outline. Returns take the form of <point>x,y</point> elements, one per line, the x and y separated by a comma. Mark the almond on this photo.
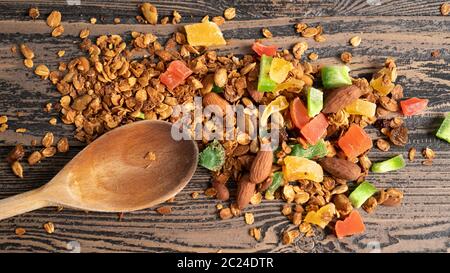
<point>245,191</point>
<point>222,191</point>
<point>339,98</point>
<point>261,166</point>
<point>215,99</point>
<point>341,168</point>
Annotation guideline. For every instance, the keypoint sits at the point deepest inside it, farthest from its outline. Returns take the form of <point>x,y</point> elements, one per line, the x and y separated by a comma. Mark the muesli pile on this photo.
<point>320,165</point>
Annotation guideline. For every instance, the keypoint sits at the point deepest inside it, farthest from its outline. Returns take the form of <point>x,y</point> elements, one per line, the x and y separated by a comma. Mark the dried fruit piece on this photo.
<point>315,129</point>
<point>361,107</point>
<point>261,49</point>
<point>213,156</point>
<point>392,164</point>
<point>204,34</point>
<point>277,181</point>
<point>279,69</point>
<point>351,225</point>
<point>296,168</point>
<point>362,193</point>
<point>299,113</point>
<point>413,106</point>
<point>265,83</point>
<point>335,76</point>
<point>355,141</point>
<point>321,217</point>
<point>444,130</point>
<point>314,98</point>
<point>399,136</point>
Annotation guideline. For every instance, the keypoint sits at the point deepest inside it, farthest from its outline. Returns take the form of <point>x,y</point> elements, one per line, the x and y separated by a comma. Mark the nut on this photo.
<point>245,191</point>
<point>54,19</point>
<point>215,99</point>
<point>261,166</point>
<point>17,153</point>
<point>339,98</point>
<point>341,168</point>
<point>222,191</point>
<point>150,13</point>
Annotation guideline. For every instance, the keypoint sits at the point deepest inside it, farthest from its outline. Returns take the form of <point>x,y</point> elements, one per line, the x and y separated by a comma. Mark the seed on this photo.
<point>313,56</point>
<point>84,33</point>
<point>266,33</point>
<point>249,218</point>
<point>310,32</point>
<point>63,145</point>
<point>47,140</point>
<point>54,19</point>
<point>33,13</point>
<point>26,51</point>
<point>34,158</point>
<point>17,169</point>
<point>221,77</point>
<point>58,31</point>
<point>445,9</point>
<point>229,13</point>
<point>49,227</point>
<point>28,63</point>
<point>20,231</point>
<point>225,214</point>
<point>412,154</point>
<point>383,145</point>
<point>150,13</point>
<point>355,41</point>
<point>42,70</point>
<point>346,57</point>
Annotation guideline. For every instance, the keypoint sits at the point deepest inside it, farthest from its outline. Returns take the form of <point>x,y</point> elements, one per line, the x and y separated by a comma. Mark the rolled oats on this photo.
<point>229,13</point>
<point>249,218</point>
<point>54,19</point>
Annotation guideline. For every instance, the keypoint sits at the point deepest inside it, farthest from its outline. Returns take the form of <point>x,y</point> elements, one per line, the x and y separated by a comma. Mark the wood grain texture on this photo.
<point>422,223</point>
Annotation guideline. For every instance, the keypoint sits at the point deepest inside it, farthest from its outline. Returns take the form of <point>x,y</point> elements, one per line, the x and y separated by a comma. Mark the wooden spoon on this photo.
<point>112,174</point>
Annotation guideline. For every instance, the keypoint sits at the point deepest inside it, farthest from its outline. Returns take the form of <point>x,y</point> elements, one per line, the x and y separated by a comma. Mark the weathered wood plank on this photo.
<point>422,223</point>
<point>193,10</point>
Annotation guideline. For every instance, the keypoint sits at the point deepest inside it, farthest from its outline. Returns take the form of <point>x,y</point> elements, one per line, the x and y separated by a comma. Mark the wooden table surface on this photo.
<point>406,30</point>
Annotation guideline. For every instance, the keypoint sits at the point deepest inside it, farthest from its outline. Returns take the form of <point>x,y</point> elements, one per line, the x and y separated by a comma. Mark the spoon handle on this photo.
<point>22,203</point>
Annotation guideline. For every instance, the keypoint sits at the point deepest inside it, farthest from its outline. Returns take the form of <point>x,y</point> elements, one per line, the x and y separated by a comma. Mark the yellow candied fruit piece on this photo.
<point>321,217</point>
<point>296,168</point>
<point>279,69</point>
<point>277,105</point>
<point>292,84</point>
<point>383,83</point>
<point>204,34</point>
<point>361,107</point>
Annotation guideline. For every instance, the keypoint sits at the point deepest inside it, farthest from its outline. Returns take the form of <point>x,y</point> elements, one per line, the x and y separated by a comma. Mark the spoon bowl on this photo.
<point>115,174</point>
